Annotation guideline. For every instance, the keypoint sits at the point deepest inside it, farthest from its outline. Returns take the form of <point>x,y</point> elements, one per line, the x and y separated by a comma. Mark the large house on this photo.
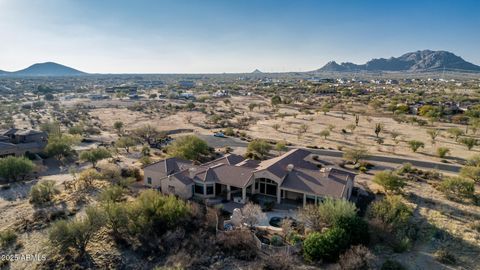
<point>292,177</point>
<point>18,142</point>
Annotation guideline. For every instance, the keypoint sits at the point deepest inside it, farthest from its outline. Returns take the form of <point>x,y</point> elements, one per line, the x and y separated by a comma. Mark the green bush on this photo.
<point>325,246</point>
<point>276,240</point>
<point>389,180</point>
<point>112,194</point>
<point>327,213</point>
<point>356,229</point>
<point>7,238</point>
<point>391,211</point>
<point>43,192</point>
<point>455,187</point>
<point>188,147</point>
<point>12,168</point>
<point>392,265</point>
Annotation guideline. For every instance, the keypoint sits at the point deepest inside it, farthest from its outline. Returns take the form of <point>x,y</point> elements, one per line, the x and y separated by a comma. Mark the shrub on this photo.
<point>116,218</point>
<point>356,228</point>
<point>391,210</point>
<point>95,155</point>
<point>279,261</point>
<point>76,233</point>
<point>392,265</point>
<point>229,131</point>
<point>42,192</point>
<point>356,258</point>
<point>239,243</point>
<point>326,246</point>
<point>355,154</point>
<point>454,187</point>
<point>415,145</point>
<point>276,240</point>
<point>471,172</point>
<point>112,194</point>
<point>327,213</point>
<point>258,149</point>
<point>445,256</point>
<point>12,168</point>
<point>7,238</point>
<point>389,180</point>
<point>442,152</point>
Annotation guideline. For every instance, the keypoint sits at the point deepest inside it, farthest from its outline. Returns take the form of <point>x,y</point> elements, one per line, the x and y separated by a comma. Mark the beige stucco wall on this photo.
<point>156,178</point>
<point>181,190</point>
<point>268,175</point>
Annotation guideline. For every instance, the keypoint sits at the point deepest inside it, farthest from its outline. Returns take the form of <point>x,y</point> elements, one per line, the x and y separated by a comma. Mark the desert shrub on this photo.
<point>391,210</point>
<point>279,261</point>
<point>276,240</point>
<point>42,192</point>
<point>188,147</point>
<point>7,238</point>
<point>392,265</point>
<point>356,258</point>
<point>76,234</point>
<point>258,149</point>
<point>229,131</point>
<point>13,168</point>
<point>327,213</point>
<point>442,151</point>
<point>406,168</point>
<point>389,180</point>
<point>445,256</point>
<point>356,229</point>
<point>354,155</point>
<point>240,244</point>
<point>456,187</point>
<point>132,172</point>
<point>325,246</point>
<point>109,171</point>
<point>146,160</point>
<point>87,177</point>
<point>113,193</point>
<point>116,218</point>
<point>294,238</point>
<point>95,155</point>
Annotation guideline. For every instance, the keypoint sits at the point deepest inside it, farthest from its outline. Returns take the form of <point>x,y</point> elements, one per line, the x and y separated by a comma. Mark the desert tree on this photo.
<point>354,155</point>
<point>258,149</point>
<point>378,129</point>
<point>118,126</point>
<point>442,152</point>
<point>324,133</point>
<point>125,142</point>
<point>252,214</point>
<point>13,168</point>
<point>469,142</point>
<point>415,145</point>
<point>433,133</point>
<point>389,180</point>
<point>95,155</point>
<point>455,133</point>
<point>188,147</point>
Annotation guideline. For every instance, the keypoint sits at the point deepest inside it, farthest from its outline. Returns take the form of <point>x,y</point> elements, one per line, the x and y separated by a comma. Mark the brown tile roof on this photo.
<point>170,166</point>
<point>232,175</point>
<point>183,176</point>
<point>278,165</point>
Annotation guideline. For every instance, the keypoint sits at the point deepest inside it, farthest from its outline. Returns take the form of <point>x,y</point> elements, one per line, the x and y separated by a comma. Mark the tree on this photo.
<point>326,246</point>
<point>148,134</point>
<point>355,154</point>
<point>118,126</point>
<point>188,147</point>
<point>357,258</point>
<point>116,218</point>
<point>275,100</point>
<point>389,180</point>
<point>87,177</point>
<point>324,133</point>
<point>252,214</point>
<point>125,143</point>
<point>95,155</point>
<point>455,132</point>
<point>303,128</point>
<point>394,135</point>
<point>258,149</point>
<point>326,108</point>
<point>433,133</point>
<point>469,142</point>
<point>415,145</point>
<point>391,211</point>
<point>60,146</point>
<point>471,172</point>
<point>76,233</point>
<point>442,152</point>
<point>12,168</point>
<point>378,129</point>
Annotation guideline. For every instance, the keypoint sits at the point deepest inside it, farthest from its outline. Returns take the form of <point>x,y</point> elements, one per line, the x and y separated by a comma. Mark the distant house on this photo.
<point>18,142</point>
<point>220,93</point>
<point>289,178</point>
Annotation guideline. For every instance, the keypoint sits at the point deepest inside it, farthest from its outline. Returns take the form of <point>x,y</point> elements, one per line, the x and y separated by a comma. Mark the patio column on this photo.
<point>304,199</point>
<point>279,195</point>
<point>204,189</point>
<point>244,194</point>
<point>229,195</point>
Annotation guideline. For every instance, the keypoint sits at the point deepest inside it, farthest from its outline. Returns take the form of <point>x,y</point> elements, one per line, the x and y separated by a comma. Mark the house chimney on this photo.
<point>191,172</point>
<point>290,167</point>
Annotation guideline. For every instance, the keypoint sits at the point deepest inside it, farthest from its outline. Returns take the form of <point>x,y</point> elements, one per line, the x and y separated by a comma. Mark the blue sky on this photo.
<point>212,36</point>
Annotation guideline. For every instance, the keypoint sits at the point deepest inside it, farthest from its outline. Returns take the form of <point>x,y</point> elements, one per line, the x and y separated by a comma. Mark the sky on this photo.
<point>213,36</point>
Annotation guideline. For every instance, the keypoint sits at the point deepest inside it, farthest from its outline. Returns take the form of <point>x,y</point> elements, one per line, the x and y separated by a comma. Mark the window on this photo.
<point>209,189</point>
<point>149,180</point>
<point>198,188</point>
<point>171,189</point>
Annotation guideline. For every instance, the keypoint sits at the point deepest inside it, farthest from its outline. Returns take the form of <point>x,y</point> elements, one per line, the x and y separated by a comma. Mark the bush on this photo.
<point>258,149</point>
<point>239,243</point>
<point>76,233</point>
<point>454,187</point>
<point>12,168</point>
<point>112,194</point>
<point>356,228</point>
<point>391,211</point>
<point>326,246</point>
<point>95,155</point>
<point>356,258</point>
<point>442,152</point>
<point>7,238</point>
<point>392,265</point>
<point>445,256</point>
<point>279,261</point>
<point>188,147</point>
<point>43,192</point>
<point>389,180</point>
<point>327,213</point>
<point>276,240</point>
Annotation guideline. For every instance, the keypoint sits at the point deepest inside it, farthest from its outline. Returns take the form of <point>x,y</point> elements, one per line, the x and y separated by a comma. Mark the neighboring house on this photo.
<point>18,142</point>
<point>291,177</point>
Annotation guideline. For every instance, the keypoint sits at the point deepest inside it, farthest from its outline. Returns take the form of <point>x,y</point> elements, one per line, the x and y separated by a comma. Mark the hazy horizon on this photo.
<point>226,36</point>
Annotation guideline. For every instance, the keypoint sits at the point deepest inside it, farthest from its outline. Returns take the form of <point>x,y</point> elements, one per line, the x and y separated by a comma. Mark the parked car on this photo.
<point>219,134</point>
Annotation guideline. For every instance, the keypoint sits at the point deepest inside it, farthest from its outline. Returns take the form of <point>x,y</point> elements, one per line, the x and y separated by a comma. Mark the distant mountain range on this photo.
<point>45,69</point>
<point>419,61</point>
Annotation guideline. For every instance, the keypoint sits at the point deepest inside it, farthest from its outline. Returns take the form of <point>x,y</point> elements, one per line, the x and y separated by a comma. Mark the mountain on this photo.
<point>256,71</point>
<point>45,69</point>
<point>419,61</point>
